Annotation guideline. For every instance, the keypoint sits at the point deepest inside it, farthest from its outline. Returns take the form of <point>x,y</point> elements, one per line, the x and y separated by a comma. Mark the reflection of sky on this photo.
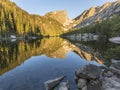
<point>74,7</point>
<point>38,69</point>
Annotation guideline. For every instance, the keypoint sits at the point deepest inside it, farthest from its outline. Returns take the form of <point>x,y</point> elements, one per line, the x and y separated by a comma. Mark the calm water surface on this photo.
<point>26,65</point>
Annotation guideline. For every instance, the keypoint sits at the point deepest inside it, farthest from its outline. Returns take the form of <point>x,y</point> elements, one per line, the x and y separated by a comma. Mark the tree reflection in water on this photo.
<point>13,54</point>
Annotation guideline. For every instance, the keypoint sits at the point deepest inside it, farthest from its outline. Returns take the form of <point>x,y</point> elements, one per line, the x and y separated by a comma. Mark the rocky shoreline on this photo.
<point>82,37</point>
<point>92,77</point>
<point>111,80</point>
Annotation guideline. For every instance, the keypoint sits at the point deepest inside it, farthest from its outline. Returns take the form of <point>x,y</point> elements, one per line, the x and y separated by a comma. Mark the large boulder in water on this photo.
<point>89,71</point>
<point>51,84</point>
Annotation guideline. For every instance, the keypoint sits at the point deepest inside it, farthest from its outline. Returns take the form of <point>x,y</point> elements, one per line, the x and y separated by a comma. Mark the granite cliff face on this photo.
<point>86,14</point>
<point>100,13</point>
<point>62,17</point>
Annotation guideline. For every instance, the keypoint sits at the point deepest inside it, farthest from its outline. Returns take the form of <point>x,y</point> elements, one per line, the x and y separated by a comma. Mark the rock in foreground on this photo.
<point>51,84</point>
<point>88,77</point>
<point>89,71</point>
<point>64,86</point>
<point>112,78</point>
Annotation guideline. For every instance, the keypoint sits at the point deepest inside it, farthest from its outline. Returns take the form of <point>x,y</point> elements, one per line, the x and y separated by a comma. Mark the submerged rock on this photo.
<point>89,71</point>
<point>64,86</point>
<point>51,84</point>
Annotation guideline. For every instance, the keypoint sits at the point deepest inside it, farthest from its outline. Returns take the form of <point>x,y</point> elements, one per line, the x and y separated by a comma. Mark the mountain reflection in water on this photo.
<point>13,54</point>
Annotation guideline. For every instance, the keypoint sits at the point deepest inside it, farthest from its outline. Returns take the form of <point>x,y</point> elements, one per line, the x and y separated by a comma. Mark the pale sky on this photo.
<point>73,7</point>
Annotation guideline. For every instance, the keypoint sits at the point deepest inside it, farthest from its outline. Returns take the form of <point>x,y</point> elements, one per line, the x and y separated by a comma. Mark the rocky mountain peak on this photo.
<point>117,2</point>
<point>62,18</point>
<point>86,14</point>
<point>106,5</point>
<point>91,12</point>
<point>60,15</point>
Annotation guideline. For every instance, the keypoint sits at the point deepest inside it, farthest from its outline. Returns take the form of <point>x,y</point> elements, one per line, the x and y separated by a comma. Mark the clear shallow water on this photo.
<point>32,74</point>
<point>26,65</point>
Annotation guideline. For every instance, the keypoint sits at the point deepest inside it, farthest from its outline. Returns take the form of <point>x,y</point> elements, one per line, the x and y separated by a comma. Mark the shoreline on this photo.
<point>94,77</point>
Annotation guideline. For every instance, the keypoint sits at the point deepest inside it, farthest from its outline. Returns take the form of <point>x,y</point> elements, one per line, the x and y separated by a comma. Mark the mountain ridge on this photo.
<point>15,20</point>
<point>59,15</point>
<point>99,13</point>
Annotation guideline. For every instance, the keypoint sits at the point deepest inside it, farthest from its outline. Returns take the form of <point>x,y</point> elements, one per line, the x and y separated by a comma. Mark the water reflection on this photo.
<point>106,49</point>
<point>13,54</point>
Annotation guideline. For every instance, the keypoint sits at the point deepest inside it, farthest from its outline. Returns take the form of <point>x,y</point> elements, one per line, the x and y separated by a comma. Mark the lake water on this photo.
<point>26,65</point>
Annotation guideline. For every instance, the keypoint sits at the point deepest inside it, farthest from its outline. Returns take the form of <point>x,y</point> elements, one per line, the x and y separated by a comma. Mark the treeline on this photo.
<point>15,21</point>
<point>107,28</point>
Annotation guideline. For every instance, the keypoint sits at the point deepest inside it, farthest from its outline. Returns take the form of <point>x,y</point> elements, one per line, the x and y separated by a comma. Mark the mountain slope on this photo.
<point>103,21</point>
<point>14,20</point>
<point>61,17</point>
<point>100,13</point>
<point>105,29</point>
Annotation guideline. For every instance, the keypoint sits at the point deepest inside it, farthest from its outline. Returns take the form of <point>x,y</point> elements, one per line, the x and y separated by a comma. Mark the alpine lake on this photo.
<point>27,64</point>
